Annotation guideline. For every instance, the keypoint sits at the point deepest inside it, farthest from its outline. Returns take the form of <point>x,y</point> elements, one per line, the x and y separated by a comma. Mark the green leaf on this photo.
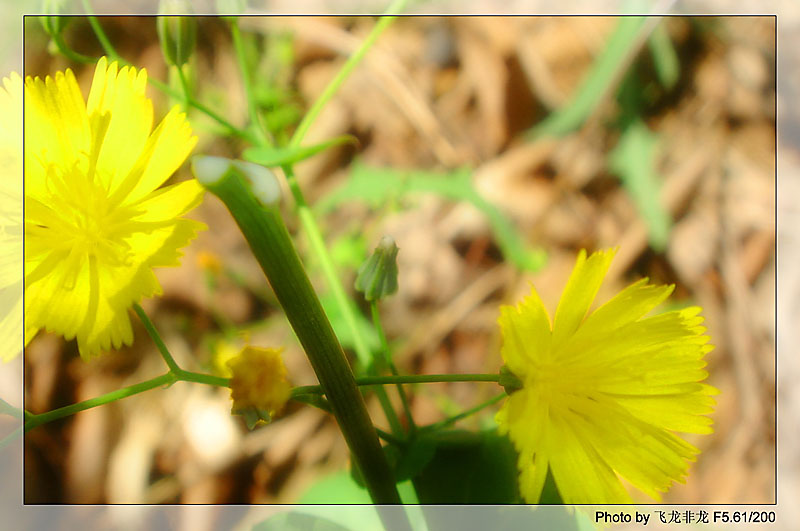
<point>341,488</point>
<point>665,58</point>
<point>469,468</point>
<point>279,156</point>
<point>379,186</point>
<point>633,160</point>
<point>336,488</point>
<point>409,462</point>
<point>593,88</point>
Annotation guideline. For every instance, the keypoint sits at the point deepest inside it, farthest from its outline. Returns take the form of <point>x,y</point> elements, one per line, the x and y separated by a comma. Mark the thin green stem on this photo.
<point>33,420</point>
<point>376,320</point>
<point>43,418</point>
<point>184,86</point>
<point>452,420</point>
<point>8,409</point>
<point>163,87</point>
<point>244,69</point>
<point>69,53</point>
<point>317,244</point>
<point>10,437</point>
<point>388,410</point>
<point>100,33</point>
<point>388,437</point>
<point>405,379</point>
<point>156,337</point>
<point>344,72</point>
<point>304,211</point>
<point>208,379</point>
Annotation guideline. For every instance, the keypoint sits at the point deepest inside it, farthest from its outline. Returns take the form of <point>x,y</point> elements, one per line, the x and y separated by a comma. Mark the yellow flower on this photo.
<point>259,387</point>
<point>96,221</point>
<point>602,394</point>
<point>10,217</point>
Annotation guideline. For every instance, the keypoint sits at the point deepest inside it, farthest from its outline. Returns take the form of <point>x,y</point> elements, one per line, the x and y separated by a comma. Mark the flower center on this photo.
<point>80,222</point>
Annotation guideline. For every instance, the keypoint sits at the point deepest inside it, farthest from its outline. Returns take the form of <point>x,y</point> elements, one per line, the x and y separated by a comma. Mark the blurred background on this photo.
<point>492,149</point>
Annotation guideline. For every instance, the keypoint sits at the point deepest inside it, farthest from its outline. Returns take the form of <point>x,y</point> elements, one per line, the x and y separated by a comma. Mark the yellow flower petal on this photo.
<point>95,223</point>
<point>602,399</point>
<point>11,279</point>
<point>581,289</point>
<point>526,333</point>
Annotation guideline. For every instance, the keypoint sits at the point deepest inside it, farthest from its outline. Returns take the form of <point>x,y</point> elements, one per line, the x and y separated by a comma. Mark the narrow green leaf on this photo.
<point>279,156</point>
<point>594,86</point>
<point>379,186</point>
<point>665,58</point>
<point>633,160</point>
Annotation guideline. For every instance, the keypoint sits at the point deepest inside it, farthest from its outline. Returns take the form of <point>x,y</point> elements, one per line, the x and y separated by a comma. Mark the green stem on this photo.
<point>304,211</point>
<point>43,418</point>
<point>70,54</point>
<point>388,437</point>
<point>376,320</point>
<point>260,221</point>
<point>404,379</point>
<point>252,106</point>
<point>337,290</point>
<point>99,33</point>
<point>344,72</point>
<point>184,86</point>
<point>156,337</point>
<point>455,418</point>
<point>208,379</point>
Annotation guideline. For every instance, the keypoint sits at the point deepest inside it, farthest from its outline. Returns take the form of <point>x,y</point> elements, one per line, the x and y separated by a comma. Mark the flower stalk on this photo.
<point>251,194</point>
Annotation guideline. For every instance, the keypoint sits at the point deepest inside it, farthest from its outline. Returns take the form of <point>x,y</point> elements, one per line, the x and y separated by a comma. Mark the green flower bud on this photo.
<point>177,34</point>
<point>377,277</point>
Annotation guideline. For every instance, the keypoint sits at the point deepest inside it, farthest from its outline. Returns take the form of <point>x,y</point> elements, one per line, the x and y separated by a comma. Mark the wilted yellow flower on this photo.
<point>96,221</point>
<point>10,217</point>
<point>603,394</point>
<point>259,387</point>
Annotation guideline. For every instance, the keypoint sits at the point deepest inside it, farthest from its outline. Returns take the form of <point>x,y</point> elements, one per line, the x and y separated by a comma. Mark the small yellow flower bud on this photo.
<point>259,387</point>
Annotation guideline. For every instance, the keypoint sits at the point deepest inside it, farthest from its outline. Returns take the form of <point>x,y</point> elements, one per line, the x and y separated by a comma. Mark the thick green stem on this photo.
<point>260,221</point>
